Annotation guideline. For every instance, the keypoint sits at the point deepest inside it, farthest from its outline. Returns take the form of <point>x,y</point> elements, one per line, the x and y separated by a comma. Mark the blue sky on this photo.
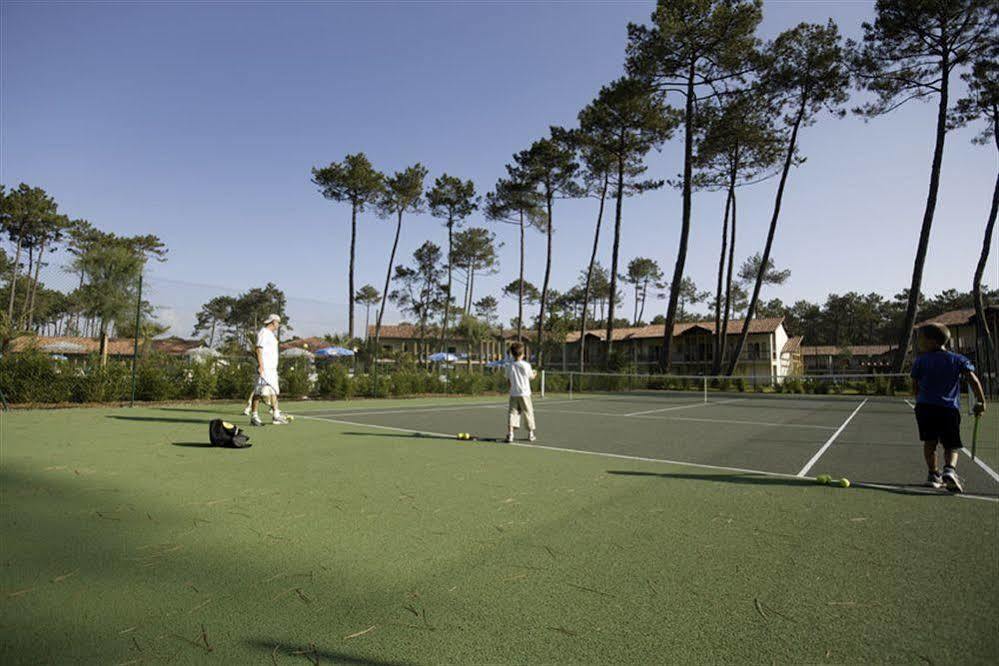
<point>200,122</point>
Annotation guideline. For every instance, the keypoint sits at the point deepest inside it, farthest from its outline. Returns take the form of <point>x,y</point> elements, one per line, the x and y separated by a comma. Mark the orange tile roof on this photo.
<point>302,343</point>
<point>852,350</point>
<point>768,325</point>
<point>72,346</point>
<point>411,332</point>
<point>958,317</point>
<point>792,345</point>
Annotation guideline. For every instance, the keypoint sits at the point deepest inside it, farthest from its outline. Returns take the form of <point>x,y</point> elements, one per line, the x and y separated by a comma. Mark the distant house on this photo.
<point>71,346</point>
<point>963,325</point>
<point>311,344</point>
<point>849,359</point>
<point>405,338</point>
<point>964,339</point>
<point>769,351</point>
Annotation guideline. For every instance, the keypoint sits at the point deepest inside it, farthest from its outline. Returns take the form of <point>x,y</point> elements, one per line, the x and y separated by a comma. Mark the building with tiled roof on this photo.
<point>405,338</point>
<point>848,359</point>
<point>78,346</point>
<point>965,339</point>
<point>769,351</point>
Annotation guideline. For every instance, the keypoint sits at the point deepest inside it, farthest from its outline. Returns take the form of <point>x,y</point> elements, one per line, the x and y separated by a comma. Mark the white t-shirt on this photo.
<point>268,345</point>
<point>519,373</point>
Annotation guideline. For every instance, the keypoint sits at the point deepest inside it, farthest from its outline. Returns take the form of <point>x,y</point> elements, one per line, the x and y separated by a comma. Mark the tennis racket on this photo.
<point>974,436</point>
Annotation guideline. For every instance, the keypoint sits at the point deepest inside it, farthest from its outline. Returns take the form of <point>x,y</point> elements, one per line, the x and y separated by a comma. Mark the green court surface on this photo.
<point>638,529</point>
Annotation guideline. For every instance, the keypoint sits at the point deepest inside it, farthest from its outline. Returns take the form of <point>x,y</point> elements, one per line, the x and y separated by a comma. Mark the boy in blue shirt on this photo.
<point>936,382</point>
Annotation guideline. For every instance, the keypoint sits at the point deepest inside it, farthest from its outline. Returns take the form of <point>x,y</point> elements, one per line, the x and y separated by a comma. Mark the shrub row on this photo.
<point>34,377</point>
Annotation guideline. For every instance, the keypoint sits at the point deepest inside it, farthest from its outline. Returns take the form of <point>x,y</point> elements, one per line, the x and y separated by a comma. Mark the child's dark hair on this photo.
<point>517,349</point>
<point>937,333</point>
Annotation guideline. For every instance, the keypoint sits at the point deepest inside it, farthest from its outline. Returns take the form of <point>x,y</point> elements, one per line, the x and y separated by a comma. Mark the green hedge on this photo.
<point>34,377</point>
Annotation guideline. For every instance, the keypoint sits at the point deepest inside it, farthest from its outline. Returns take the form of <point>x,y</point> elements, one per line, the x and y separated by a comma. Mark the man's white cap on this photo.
<point>272,318</point>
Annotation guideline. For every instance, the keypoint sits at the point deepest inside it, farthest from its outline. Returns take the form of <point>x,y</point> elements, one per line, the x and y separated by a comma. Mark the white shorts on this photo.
<point>267,385</point>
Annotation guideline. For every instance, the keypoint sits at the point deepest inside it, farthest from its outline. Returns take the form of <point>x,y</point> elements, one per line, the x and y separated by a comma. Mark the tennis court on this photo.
<point>364,533</point>
<point>867,439</point>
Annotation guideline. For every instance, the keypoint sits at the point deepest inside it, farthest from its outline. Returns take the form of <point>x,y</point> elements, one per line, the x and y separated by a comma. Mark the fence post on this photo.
<point>135,347</point>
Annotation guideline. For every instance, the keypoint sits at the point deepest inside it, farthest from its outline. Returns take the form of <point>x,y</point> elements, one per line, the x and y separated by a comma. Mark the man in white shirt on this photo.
<point>267,372</point>
<point>520,373</point>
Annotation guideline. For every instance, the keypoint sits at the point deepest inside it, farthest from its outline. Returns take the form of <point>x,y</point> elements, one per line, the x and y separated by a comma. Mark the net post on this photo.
<point>542,385</point>
<point>570,385</point>
<point>705,389</point>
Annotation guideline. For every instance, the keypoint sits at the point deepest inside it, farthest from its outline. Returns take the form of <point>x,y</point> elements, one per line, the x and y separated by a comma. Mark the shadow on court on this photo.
<point>748,479</point>
<point>194,445</point>
<point>318,655</point>
<point>418,435</point>
<point>751,479</point>
<point>157,419</point>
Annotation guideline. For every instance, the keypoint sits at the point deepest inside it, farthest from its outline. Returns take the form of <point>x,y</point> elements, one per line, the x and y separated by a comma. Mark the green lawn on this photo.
<point>126,540</point>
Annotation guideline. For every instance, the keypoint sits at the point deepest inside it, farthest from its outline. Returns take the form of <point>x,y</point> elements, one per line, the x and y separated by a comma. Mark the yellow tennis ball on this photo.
<point>844,483</point>
<point>823,479</point>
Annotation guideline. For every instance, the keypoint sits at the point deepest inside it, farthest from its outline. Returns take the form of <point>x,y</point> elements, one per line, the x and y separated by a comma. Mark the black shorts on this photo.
<point>939,424</point>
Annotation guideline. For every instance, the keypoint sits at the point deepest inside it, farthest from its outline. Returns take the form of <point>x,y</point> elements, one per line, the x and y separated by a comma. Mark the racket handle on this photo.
<point>974,437</point>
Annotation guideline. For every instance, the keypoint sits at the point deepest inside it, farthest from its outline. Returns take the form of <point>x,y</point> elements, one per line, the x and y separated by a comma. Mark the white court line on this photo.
<point>416,410</point>
<point>687,418</point>
<point>378,427</point>
<point>910,404</point>
<point>669,409</point>
<point>622,456</point>
<point>829,442</point>
<point>978,461</point>
<point>988,470</point>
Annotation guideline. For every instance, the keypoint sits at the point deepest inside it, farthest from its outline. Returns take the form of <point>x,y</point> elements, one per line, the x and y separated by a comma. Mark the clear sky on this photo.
<point>200,122</point>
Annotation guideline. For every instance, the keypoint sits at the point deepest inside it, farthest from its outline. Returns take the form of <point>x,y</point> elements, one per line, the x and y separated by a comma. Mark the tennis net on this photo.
<point>641,387</point>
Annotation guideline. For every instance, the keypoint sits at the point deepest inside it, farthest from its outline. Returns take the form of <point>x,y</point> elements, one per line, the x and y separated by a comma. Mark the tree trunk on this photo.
<point>719,333</point>
<point>544,286</point>
<point>520,291</point>
<point>912,308</point>
<point>728,280</point>
<point>23,317</point>
<point>104,344</point>
<point>976,288</point>
<point>388,280</point>
<point>211,336</point>
<point>589,274</point>
<point>788,160</point>
<point>645,295</point>
<point>612,296</point>
<point>681,254</point>
<point>471,287</point>
<point>34,284</point>
<point>464,295</point>
<point>447,296</point>
<point>634,318</point>
<point>350,296</point>
<point>13,278</point>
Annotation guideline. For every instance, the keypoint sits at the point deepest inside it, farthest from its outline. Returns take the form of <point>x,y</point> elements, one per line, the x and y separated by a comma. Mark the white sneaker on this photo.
<point>532,437</point>
<point>279,419</point>
<point>509,439</point>
<point>255,421</point>
<point>246,411</point>
<point>952,480</point>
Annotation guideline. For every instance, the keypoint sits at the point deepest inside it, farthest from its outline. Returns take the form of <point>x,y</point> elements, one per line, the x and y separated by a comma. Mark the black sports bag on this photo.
<point>226,434</point>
